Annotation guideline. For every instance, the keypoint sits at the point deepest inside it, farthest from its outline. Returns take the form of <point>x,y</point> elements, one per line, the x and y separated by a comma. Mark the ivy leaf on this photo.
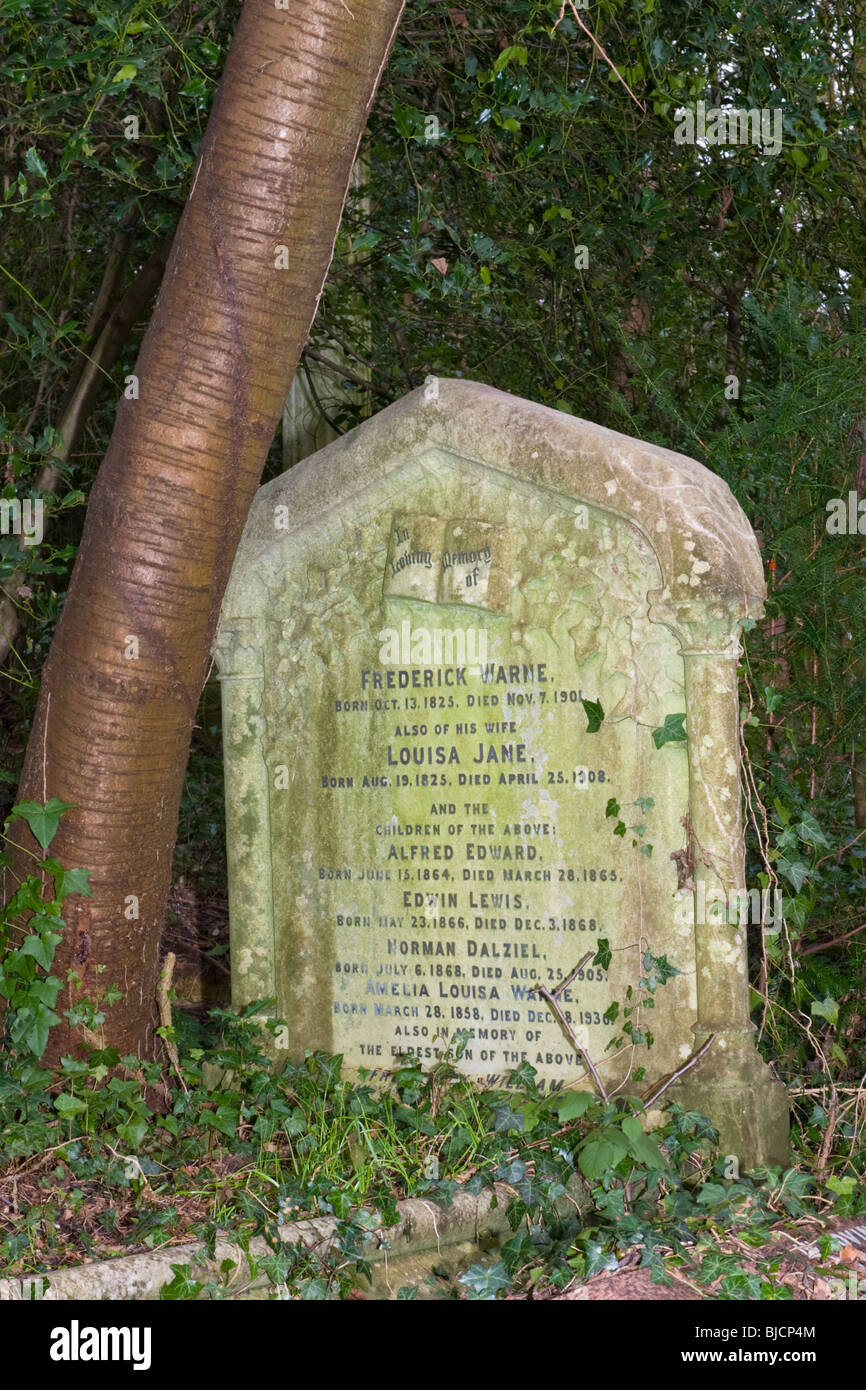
<point>41,948</point>
<point>225,1119</point>
<point>741,1286</point>
<point>597,1259</point>
<point>46,991</point>
<point>505,1119</point>
<point>73,1066</point>
<point>43,820</point>
<point>68,881</point>
<point>519,1250</point>
<point>795,872</point>
<point>133,1132</point>
<point>659,971</point>
<point>811,833</point>
<point>603,955</point>
<point>712,1194</point>
<point>594,715</point>
<point>714,1265</point>
<point>610,1204</point>
<point>69,1105</point>
<point>512,1172</point>
<point>181,1286</point>
<point>672,731</point>
<point>522,1076</point>
<point>486,1283</point>
<point>32,1025</point>
<point>295,1124</point>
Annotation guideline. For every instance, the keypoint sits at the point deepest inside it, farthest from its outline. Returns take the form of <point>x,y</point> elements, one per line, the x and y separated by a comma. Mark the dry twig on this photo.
<point>164,1003</point>
<point>571,6</point>
<point>552,1001</point>
<point>661,1086</point>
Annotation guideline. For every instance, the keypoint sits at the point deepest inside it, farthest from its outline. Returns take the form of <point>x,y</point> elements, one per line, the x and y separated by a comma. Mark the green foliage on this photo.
<point>594,715</point>
<point>485,1283</point>
<point>134,1157</point>
<point>43,820</point>
<point>672,731</point>
<point>659,971</point>
<point>31,927</point>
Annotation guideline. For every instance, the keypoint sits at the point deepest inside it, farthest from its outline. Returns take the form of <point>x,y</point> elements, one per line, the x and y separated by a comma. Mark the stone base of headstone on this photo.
<point>737,1091</point>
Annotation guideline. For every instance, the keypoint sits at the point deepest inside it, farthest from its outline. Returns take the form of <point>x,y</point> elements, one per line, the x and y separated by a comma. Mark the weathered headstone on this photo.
<point>449,642</point>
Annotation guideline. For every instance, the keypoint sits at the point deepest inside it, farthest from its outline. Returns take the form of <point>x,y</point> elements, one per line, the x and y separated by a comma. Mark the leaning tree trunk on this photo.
<point>132,649</point>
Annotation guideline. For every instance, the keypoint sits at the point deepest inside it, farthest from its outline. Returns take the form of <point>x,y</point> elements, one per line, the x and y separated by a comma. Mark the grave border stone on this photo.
<point>712,581</point>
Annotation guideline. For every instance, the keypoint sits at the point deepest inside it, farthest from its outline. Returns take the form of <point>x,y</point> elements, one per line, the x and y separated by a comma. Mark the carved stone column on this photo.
<point>731,1084</point>
<point>240,662</point>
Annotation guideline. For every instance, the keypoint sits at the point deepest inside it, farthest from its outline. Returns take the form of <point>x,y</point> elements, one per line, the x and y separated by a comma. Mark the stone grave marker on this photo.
<point>479,675</point>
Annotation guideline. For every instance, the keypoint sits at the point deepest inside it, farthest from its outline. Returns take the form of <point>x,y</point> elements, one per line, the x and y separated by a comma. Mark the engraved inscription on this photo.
<point>447,847</point>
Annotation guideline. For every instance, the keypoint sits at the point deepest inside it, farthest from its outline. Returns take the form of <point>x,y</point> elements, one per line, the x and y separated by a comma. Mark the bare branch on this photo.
<point>552,1002</point>
<point>681,1071</point>
<point>571,5</point>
